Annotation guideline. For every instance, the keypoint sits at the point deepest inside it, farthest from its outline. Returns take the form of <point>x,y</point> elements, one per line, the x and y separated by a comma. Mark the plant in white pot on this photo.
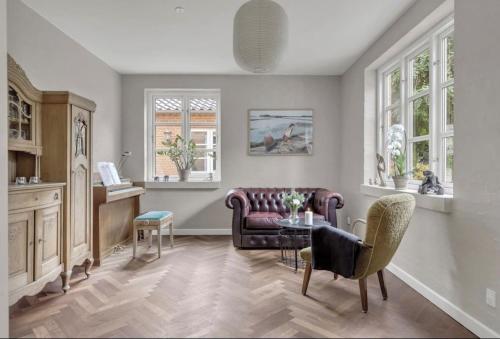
<point>182,153</point>
<point>396,146</point>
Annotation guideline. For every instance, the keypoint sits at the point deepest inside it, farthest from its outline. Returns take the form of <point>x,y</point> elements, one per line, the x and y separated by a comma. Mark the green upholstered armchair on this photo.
<point>388,219</point>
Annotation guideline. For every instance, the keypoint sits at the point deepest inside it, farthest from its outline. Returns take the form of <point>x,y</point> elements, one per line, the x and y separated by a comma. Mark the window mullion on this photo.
<point>420,94</point>
<point>405,114</point>
<point>185,117</point>
<point>434,119</point>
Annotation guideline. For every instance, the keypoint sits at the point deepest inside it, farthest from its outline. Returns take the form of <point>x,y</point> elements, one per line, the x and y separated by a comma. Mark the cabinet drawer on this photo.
<point>21,200</point>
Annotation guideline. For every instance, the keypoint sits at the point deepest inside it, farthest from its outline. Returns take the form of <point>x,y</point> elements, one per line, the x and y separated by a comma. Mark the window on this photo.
<point>193,115</point>
<point>416,90</point>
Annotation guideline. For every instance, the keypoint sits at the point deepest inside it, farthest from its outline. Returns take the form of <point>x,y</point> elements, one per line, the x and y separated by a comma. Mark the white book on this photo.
<point>108,173</point>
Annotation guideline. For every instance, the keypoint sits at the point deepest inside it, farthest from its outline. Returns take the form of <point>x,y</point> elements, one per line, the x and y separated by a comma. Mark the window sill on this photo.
<point>193,185</point>
<point>438,203</point>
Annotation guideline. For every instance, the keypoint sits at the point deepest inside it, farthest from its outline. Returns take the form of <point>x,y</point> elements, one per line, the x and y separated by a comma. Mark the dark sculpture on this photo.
<point>431,184</point>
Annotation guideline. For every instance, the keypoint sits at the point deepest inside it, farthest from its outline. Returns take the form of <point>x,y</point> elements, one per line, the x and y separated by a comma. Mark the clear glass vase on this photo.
<point>294,216</point>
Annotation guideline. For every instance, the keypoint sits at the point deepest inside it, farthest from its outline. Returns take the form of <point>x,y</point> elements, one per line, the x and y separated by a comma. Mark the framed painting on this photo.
<point>280,132</point>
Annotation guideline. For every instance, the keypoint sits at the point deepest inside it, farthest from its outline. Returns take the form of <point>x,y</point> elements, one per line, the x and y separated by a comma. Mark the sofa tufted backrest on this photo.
<point>271,199</point>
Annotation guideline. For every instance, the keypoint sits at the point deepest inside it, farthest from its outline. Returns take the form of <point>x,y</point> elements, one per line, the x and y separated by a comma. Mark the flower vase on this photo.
<point>294,216</point>
<point>184,174</point>
<point>400,182</point>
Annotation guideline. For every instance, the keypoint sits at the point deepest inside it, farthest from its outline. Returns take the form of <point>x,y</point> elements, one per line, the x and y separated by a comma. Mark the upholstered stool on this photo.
<point>154,221</point>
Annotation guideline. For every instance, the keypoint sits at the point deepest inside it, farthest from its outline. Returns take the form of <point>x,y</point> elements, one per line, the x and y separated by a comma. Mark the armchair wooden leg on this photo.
<point>364,294</point>
<point>307,276</point>
<point>382,284</point>
<point>335,276</point>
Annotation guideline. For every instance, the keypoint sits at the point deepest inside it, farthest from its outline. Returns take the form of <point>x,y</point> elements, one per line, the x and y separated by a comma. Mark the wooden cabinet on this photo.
<point>21,254</point>
<point>35,232</point>
<point>80,202</point>
<point>47,240</point>
<point>67,157</point>
<point>50,224</point>
<point>24,112</point>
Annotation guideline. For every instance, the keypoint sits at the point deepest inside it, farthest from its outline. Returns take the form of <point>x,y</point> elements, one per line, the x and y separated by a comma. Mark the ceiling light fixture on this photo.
<point>179,10</point>
<point>260,35</point>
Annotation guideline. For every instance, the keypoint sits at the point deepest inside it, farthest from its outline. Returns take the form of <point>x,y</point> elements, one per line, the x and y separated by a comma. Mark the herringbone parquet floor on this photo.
<point>206,288</point>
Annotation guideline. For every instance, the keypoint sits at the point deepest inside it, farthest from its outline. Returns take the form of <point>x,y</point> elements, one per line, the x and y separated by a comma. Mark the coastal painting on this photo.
<point>280,132</point>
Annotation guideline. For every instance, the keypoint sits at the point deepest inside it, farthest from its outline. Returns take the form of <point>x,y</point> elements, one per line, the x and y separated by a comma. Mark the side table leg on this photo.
<point>281,247</point>
<point>295,248</point>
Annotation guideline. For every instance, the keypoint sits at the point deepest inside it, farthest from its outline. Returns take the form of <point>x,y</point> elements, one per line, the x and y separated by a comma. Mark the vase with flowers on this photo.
<point>182,152</point>
<point>293,201</point>
<point>396,146</point>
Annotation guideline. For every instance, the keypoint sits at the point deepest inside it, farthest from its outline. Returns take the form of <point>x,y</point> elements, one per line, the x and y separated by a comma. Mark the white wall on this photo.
<point>4,262</point>
<point>455,255</point>
<point>206,209</point>
<point>53,61</point>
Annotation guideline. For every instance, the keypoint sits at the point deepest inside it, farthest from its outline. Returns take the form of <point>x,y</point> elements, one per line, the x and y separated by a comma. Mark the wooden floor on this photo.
<point>206,288</point>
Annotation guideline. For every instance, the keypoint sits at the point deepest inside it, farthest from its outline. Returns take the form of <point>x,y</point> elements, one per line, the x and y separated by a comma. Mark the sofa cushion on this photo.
<point>262,220</point>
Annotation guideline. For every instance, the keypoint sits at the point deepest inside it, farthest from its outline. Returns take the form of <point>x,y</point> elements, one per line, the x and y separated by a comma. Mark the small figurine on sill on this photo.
<point>370,181</point>
<point>381,169</point>
<point>431,184</point>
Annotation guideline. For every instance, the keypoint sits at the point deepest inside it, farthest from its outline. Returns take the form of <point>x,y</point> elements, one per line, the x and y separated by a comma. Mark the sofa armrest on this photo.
<point>241,198</point>
<point>326,203</point>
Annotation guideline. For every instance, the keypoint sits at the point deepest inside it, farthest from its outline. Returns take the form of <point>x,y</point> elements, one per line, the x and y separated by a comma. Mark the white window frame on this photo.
<point>209,146</point>
<point>432,40</point>
<point>186,94</point>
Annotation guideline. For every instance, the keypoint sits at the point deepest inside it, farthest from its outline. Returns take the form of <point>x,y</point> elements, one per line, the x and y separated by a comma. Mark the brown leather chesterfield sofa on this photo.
<point>255,211</point>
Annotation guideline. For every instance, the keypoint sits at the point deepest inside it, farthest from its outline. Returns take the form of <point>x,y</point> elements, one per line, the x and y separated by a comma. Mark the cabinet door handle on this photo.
<point>30,243</point>
<point>56,196</point>
<point>40,240</point>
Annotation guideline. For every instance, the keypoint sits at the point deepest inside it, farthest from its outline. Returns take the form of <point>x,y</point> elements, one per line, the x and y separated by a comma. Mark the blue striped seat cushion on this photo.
<point>154,216</point>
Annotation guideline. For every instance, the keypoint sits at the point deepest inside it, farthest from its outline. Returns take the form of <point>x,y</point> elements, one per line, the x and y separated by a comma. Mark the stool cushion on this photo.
<point>154,215</point>
<point>153,218</point>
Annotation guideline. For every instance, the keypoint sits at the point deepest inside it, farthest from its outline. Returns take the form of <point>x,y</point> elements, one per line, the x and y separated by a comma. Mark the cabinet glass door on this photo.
<point>20,117</point>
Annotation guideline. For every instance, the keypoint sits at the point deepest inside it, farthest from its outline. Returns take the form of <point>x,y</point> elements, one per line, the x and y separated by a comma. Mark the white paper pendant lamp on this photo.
<point>260,35</point>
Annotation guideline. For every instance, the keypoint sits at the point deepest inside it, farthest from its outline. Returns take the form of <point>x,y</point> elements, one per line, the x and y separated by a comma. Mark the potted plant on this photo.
<point>293,201</point>
<point>182,152</point>
<point>396,145</point>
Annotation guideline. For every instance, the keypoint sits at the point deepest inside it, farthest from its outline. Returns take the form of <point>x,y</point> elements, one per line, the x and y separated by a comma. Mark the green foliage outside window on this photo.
<point>421,71</point>
<point>450,54</point>
<point>421,114</point>
<point>420,159</point>
<point>395,83</point>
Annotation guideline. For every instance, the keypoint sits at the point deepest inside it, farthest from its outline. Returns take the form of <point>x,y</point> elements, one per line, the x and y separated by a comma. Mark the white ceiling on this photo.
<point>147,36</point>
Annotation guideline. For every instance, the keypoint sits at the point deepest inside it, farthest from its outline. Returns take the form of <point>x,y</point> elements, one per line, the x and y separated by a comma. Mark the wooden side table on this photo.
<point>154,221</point>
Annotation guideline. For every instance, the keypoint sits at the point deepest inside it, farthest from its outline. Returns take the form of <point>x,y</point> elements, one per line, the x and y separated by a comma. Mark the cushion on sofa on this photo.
<point>262,220</point>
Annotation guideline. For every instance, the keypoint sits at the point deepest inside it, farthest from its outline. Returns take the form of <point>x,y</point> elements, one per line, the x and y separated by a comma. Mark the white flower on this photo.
<point>398,128</point>
<point>296,202</point>
<point>396,153</point>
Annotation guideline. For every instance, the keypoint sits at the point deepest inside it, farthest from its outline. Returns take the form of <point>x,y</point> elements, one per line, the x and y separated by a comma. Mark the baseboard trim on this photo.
<point>198,231</point>
<point>468,321</point>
